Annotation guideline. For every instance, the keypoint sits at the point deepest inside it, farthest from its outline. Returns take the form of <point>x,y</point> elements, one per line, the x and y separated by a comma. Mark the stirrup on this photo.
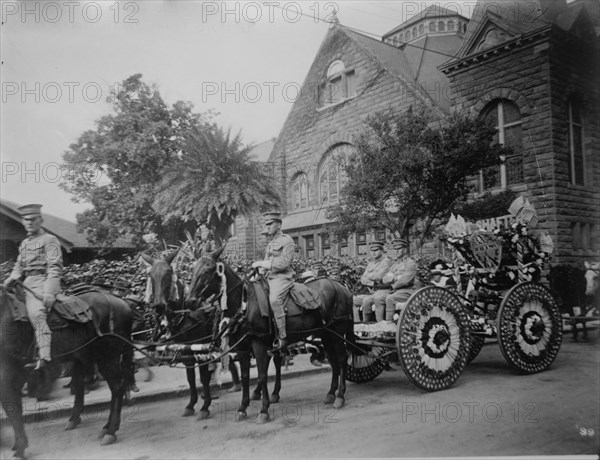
<point>279,345</point>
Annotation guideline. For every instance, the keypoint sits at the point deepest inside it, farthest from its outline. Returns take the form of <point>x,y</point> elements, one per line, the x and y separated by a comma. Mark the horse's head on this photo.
<point>205,277</point>
<point>591,278</point>
<point>162,282</point>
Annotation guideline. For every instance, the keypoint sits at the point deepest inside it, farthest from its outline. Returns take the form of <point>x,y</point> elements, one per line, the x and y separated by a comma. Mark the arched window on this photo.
<point>300,191</point>
<point>414,33</point>
<point>450,24</point>
<point>340,84</point>
<point>576,150</point>
<point>441,26</point>
<point>432,26</point>
<point>401,38</point>
<point>332,176</point>
<point>506,117</point>
<point>421,29</point>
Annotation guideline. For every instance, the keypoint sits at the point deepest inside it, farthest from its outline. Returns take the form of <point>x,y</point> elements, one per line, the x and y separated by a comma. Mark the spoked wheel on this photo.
<point>433,338</point>
<point>364,368</point>
<point>529,328</point>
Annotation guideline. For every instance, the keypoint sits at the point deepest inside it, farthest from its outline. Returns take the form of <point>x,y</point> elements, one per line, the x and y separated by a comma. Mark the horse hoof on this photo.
<point>262,418</point>
<point>242,415</point>
<point>256,396</point>
<point>339,402</point>
<point>204,414</point>
<point>71,425</point>
<point>274,399</point>
<point>188,412</point>
<point>329,399</point>
<point>108,439</point>
<point>103,432</point>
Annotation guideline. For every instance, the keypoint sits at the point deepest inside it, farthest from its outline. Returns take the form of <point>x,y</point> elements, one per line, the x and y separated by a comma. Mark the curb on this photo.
<point>54,411</point>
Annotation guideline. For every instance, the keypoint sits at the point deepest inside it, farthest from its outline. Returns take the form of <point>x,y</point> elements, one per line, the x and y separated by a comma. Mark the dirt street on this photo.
<point>489,412</point>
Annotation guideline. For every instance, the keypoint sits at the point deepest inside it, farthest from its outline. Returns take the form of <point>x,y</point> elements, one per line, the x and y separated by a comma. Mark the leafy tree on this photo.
<point>408,170</point>
<point>117,166</point>
<point>214,181</point>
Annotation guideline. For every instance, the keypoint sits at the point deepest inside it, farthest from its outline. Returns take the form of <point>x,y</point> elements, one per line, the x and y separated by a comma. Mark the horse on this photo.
<point>177,324</point>
<point>575,285</point>
<point>210,277</point>
<point>103,341</point>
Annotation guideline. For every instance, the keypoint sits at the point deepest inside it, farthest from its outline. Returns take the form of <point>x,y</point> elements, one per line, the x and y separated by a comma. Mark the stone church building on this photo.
<point>530,66</point>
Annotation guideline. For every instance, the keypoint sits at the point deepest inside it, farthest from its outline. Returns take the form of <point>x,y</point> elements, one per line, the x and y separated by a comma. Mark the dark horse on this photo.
<point>257,337</point>
<point>79,343</point>
<point>177,324</point>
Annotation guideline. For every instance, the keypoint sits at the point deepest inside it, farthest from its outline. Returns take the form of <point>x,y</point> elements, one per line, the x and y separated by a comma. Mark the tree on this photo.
<point>117,166</point>
<point>214,181</point>
<point>405,171</point>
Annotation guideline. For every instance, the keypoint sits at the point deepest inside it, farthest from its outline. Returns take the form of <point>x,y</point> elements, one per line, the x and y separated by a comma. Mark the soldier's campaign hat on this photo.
<point>272,216</point>
<point>376,245</point>
<point>398,243</point>
<point>30,210</point>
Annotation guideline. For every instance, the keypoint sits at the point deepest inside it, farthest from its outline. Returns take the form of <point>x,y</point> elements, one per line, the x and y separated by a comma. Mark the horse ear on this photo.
<point>217,253</point>
<point>171,256</point>
<point>147,259</point>
<point>587,265</point>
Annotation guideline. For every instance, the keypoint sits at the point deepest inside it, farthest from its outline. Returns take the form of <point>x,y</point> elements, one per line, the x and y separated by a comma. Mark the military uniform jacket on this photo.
<point>280,252</point>
<point>375,271</point>
<point>404,271</point>
<point>40,252</point>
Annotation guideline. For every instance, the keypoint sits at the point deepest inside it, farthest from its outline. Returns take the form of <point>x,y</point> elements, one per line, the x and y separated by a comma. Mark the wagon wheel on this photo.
<point>364,368</point>
<point>476,342</point>
<point>529,328</point>
<point>433,338</point>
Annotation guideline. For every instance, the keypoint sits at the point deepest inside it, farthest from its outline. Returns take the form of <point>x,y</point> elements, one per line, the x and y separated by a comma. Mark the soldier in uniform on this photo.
<point>40,263</point>
<point>375,270</point>
<point>400,278</point>
<point>278,263</point>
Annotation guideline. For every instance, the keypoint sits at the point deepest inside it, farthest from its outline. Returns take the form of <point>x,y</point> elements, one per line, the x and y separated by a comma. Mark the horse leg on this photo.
<point>277,359</point>
<point>13,408</point>
<point>342,363</point>
<point>335,370</point>
<point>190,372</point>
<point>262,365</point>
<point>244,360</point>
<point>77,389</point>
<point>113,374</point>
<point>205,375</point>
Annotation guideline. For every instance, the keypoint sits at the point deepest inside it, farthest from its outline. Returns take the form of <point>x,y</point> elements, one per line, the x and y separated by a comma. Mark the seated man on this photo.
<point>371,278</point>
<point>400,279</point>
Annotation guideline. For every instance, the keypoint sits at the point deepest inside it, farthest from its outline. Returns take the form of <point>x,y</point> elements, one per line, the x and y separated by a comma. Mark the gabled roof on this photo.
<point>65,230</point>
<point>415,65</point>
<point>496,23</point>
<point>395,61</point>
<point>262,152</point>
<point>433,11</point>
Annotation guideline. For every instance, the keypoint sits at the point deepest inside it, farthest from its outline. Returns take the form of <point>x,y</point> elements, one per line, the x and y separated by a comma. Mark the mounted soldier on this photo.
<point>278,263</point>
<point>40,263</point>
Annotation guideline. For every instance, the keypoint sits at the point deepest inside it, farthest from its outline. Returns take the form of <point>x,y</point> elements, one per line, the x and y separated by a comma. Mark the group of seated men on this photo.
<point>389,281</point>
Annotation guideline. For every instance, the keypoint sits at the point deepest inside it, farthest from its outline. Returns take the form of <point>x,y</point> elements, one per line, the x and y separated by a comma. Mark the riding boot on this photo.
<point>281,342</point>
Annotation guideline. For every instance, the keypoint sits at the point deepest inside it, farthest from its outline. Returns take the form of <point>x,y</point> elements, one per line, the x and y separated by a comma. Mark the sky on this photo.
<point>244,60</point>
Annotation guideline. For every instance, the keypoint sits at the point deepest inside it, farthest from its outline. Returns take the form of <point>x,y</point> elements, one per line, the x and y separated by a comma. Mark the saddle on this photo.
<point>300,299</point>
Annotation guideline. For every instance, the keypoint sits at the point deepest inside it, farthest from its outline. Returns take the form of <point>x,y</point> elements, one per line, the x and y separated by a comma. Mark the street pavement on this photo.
<point>166,382</point>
